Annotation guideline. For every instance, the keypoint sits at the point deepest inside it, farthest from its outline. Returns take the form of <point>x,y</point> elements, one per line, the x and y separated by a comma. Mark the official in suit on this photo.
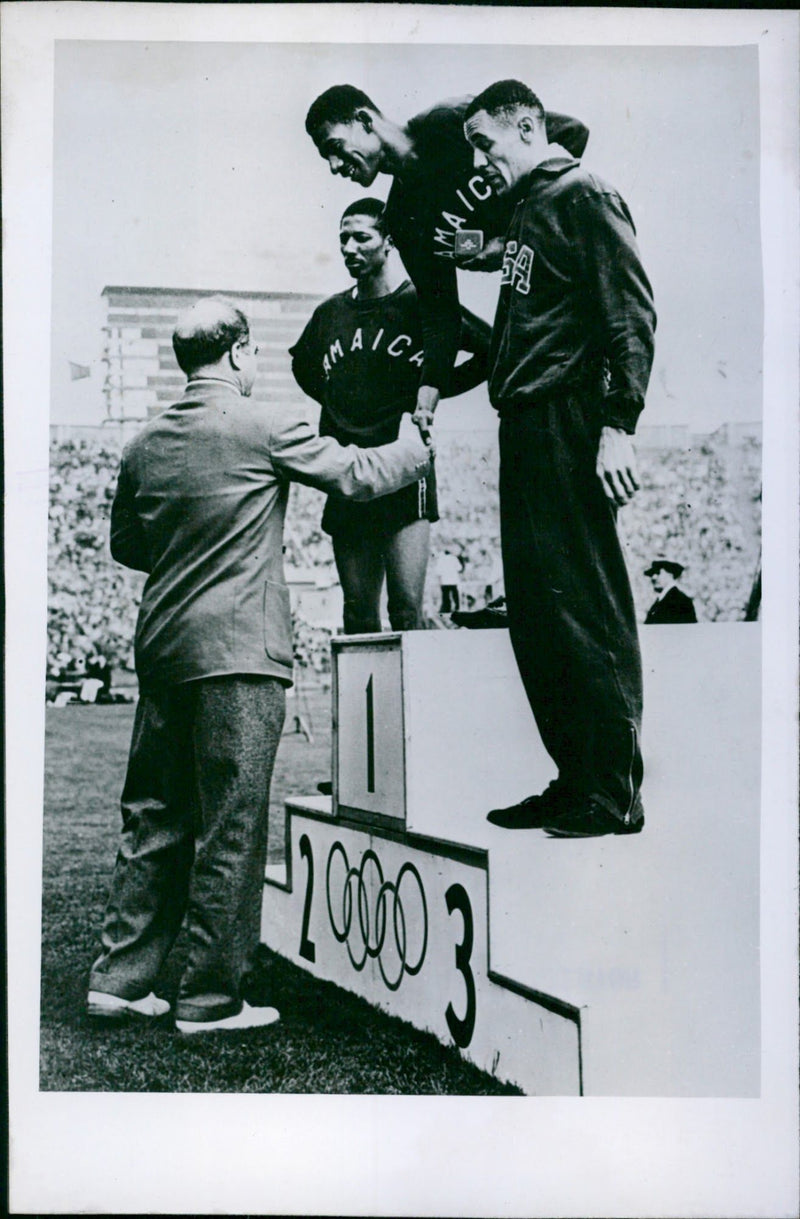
<point>671,604</point>
<point>200,506</point>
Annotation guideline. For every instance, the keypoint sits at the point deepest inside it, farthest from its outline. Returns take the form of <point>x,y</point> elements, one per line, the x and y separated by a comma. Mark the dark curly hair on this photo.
<point>336,105</point>
<point>374,208</point>
<point>504,97</point>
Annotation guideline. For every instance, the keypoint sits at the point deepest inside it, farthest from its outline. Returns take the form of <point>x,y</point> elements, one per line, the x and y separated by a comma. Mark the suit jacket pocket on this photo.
<point>278,623</point>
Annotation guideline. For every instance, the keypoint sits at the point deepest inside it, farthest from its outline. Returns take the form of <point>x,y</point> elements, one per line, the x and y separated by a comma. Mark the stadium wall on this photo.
<point>142,375</point>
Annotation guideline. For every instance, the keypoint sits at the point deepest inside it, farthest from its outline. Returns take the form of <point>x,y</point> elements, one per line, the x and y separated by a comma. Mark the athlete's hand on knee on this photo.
<point>616,465</point>
<point>489,259</point>
<point>427,401</point>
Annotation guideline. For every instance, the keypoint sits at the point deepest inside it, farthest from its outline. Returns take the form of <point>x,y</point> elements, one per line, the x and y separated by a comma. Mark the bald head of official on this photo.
<point>212,339</point>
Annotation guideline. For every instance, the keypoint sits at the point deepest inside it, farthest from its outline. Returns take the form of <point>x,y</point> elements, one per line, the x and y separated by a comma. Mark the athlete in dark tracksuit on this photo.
<point>571,353</point>
<point>438,194</point>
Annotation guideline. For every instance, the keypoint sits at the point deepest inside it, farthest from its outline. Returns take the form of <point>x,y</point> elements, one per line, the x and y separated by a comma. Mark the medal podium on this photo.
<point>609,966</point>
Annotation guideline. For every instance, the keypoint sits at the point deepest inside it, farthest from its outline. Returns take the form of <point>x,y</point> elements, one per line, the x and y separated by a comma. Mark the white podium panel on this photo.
<point>406,927</point>
<point>368,732</point>
<point>656,936</point>
<point>444,731</point>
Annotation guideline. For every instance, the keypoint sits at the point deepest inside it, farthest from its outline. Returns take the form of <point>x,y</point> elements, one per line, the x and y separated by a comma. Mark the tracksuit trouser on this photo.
<point>570,606</point>
<point>194,841</point>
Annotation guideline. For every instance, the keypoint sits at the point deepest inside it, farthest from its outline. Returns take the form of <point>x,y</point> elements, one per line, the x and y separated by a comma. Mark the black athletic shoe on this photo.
<point>593,820</point>
<point>491,616</point>
<point>534,812</point>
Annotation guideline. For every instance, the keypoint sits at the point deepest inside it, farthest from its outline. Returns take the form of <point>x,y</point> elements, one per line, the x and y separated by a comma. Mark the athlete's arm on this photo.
<point>297,450</point>
<point>434,278</point>
<point>476,335</point>
<point>623,301</point>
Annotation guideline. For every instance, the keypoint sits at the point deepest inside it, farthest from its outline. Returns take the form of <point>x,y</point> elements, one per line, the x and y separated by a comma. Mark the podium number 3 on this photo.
<point>462,1027</point>
<point>370,738</point>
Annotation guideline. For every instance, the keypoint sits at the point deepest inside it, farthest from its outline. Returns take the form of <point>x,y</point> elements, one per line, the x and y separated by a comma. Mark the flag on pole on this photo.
<point>77,371</point>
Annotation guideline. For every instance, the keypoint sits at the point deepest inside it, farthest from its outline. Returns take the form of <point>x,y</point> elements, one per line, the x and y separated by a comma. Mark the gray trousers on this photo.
<point>194,841</point>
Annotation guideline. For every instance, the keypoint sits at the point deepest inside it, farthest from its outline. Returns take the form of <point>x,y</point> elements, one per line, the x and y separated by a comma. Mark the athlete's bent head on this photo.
<point>363,240</point>
<point>505,124</point>
<point>341,122</point>
<point>212,339</point>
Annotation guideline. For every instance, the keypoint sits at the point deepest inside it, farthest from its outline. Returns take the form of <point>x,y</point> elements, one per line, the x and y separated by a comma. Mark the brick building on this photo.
<point>142,376</point>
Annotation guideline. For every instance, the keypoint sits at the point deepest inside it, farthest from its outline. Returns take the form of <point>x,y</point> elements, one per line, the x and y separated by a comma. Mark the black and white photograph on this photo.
<point>401,410</point>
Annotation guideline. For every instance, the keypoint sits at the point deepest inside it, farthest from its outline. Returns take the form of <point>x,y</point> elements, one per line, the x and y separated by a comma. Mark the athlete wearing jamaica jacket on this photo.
<point>572,349</point>
<point>360,357</point>
<point>436,193</point>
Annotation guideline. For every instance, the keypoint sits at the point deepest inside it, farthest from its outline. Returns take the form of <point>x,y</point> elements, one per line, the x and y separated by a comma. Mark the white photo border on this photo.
<point>141,1153</point>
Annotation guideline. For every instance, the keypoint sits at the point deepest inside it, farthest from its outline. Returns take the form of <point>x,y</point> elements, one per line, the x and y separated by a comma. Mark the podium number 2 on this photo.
<point>307,949</point>
<point>370,738</point>
<point>462,1028</point>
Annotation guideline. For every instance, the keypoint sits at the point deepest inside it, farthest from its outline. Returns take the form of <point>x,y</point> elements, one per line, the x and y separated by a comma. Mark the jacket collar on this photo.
<point>556,163</point>
<point>207,386</point>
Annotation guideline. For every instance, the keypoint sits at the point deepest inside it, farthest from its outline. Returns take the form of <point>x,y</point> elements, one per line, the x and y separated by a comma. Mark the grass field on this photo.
<point>327,1040</point>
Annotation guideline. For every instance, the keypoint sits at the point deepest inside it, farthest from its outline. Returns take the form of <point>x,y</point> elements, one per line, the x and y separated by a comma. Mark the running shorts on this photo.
<point>385,515</point>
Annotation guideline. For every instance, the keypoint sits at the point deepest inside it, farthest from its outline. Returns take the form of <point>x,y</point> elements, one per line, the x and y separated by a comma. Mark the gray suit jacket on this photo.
<point>200,505</point>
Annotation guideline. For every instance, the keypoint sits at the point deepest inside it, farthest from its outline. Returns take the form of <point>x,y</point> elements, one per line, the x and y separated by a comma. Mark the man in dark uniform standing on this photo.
<point>572,350</point>
<point>671,604</point>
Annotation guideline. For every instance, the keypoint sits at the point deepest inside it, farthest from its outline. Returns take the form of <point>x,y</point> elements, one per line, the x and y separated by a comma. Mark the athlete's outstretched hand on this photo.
<point>616,466</point>
<point>409,429</point>
<point>489,259</point>
<point>427,401</point>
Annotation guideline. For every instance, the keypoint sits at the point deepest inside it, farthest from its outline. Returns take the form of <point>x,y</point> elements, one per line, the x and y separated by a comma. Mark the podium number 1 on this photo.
<point>370,739</point>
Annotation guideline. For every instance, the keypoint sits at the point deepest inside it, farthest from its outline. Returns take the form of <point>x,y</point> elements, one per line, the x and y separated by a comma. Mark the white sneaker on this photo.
<point>248,1018</point>
<point>112,1007</point>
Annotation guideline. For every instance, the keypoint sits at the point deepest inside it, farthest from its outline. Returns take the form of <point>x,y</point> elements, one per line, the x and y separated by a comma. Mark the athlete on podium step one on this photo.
<point>200,506</point>
<point>572,350</point>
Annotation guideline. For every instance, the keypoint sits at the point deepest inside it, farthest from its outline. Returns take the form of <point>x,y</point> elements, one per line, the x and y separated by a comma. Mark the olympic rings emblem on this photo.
<point>370,929</point>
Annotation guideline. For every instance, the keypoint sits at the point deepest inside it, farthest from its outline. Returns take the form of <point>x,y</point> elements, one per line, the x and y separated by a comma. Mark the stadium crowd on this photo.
<point>700,505</point>
<point>92,601</point>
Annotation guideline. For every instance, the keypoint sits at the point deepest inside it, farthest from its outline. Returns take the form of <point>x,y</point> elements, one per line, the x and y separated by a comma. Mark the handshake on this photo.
<point>411,427</point>
<point>427,399</point>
